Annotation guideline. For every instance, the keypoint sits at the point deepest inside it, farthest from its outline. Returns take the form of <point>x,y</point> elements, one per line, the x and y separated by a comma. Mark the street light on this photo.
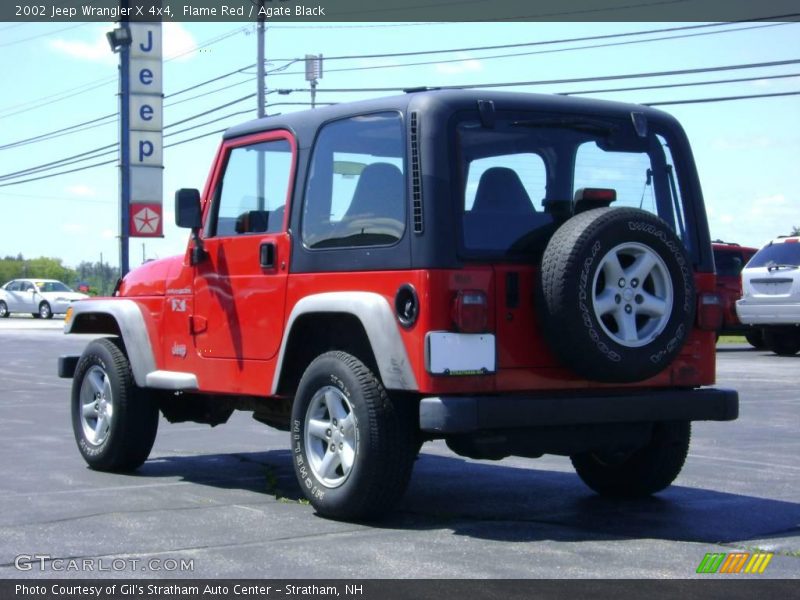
<point>118,38</point>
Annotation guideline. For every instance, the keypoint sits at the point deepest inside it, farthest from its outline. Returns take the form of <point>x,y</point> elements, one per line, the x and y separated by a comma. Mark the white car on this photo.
<point>40,297</point>
<point>771,295</point>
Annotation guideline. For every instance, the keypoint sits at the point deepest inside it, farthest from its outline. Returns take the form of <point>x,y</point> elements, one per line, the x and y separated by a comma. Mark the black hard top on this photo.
<point>439,102</point>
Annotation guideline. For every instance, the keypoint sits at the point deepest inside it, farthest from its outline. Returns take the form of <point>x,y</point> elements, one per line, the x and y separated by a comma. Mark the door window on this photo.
<point>251,197</point>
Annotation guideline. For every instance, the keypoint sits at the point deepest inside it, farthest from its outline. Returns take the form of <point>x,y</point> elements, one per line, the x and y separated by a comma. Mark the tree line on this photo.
<point>98,278</point>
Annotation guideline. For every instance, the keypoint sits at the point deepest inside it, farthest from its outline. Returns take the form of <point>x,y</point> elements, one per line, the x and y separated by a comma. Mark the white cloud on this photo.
<point>743,143</point>
<point>81,190</point>
<point>96,51</point>
<point>468,65</point>
<point>74,228</point>
<point>756,220</point>
<point>176,42</point>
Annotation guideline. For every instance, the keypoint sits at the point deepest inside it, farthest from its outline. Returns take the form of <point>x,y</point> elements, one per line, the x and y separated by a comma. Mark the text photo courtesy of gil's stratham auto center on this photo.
<point>451,299</point>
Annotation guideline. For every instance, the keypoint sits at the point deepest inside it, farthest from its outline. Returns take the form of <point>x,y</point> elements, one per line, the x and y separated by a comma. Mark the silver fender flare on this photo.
<point>380,325</point>
<point>133,331</point>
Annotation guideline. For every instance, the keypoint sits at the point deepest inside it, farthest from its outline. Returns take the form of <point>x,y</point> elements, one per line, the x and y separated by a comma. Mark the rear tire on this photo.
<point>45,312</point>
<point>782,342</point>
<point>114,421</point>
<point>755,338</point>
<point>4,314</point>
<point>644,472</point>
<point>353,447</point>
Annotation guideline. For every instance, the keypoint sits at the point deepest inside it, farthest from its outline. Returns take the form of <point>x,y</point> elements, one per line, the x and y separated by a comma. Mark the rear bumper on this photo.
<point>464,414</point>
<point>756,313</point>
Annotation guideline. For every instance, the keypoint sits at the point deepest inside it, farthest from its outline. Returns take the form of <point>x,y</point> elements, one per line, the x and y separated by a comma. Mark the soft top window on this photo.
<point>527,173</point>
<point>355,195</point>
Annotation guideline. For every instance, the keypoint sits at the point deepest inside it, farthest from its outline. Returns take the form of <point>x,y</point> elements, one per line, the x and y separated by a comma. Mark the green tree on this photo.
<point>795,230</point>
<point>100,277</point>
<point>42,267</point>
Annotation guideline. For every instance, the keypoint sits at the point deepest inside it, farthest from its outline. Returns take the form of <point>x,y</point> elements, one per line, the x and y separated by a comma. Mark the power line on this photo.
<point>93,153</point>
<point>551,42</point>
<point>722,99</point>
<point>98,83</point>
<point>423,52</point>
<point>204,135</point>
<point>677,85</point>
<point>41,35</point>
<point>57,132</point>
<point>536,52</point>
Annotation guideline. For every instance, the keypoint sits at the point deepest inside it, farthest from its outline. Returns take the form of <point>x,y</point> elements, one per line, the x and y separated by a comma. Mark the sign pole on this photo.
<point>125,151</point>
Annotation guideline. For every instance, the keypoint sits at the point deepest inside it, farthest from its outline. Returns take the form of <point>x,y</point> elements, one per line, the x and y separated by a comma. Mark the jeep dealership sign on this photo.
<point>146,129</point>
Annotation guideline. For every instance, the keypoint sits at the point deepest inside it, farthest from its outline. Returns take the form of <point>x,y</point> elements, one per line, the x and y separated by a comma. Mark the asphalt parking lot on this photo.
<point>225,498</point>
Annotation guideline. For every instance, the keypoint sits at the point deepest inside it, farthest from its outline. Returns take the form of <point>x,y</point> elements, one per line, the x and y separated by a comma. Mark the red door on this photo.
<point>240,286</point>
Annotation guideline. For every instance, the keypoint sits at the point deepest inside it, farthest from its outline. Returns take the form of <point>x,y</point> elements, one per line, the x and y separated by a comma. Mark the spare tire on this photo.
<point>617,294</point>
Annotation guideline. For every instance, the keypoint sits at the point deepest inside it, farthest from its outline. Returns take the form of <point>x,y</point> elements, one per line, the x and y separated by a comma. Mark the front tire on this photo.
<point>644,472</point>
<point>3,310</point>
<point>352,446</point>
<point>113,420</point>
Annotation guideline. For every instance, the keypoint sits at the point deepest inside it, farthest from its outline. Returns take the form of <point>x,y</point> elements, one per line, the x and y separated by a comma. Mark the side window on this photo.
<point>356,190</point>
<point>252,195</point>
<point>13,286</point>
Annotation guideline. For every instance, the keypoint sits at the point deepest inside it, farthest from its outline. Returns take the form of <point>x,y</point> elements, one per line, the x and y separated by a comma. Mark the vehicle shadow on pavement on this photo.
<point>503,503</point>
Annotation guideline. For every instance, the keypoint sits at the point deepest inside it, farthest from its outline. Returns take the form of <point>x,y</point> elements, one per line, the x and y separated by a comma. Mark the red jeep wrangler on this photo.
<point>729,260</point>
<point>515,274</point>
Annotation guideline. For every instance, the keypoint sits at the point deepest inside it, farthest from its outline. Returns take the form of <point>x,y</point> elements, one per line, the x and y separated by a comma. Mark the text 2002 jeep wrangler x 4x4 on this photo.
<point>516,274</point>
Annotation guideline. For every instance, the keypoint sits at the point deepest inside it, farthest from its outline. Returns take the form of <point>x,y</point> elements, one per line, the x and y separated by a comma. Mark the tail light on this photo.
<point>709,312</point>
<point>471,311</point>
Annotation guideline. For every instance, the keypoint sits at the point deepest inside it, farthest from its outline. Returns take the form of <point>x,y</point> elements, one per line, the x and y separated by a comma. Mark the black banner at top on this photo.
<point>396,10</point>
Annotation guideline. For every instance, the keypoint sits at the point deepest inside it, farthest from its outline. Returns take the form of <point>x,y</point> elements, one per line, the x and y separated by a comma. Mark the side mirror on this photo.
<point>187,209</point>
<point>187,215</point>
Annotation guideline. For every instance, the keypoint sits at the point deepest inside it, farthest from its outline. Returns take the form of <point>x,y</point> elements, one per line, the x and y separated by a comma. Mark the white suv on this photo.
<point>771,294</point>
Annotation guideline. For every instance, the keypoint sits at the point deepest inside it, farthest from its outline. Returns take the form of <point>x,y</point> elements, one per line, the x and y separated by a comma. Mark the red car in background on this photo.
<point>730,259</point>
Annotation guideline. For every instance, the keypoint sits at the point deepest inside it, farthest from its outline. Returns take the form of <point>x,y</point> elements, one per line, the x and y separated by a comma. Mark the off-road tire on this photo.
<point>134,419</point>
<point>576,290</point>
<point>384,439</point>
<point>642,473</point>
<point>783,342</point>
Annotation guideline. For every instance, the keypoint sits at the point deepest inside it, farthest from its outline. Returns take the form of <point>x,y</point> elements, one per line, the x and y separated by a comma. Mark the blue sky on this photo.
<point>747,151</point>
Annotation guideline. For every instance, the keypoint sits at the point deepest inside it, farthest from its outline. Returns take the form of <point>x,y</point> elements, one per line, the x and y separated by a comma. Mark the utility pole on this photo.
<point>313,74</point>
<point>261,75</point>
<point>102,277</point>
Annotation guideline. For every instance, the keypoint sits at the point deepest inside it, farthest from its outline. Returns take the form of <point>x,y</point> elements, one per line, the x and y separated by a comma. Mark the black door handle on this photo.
<point>266,255</point>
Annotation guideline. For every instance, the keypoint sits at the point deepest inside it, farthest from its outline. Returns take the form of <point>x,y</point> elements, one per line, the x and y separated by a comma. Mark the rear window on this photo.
<point>728,263</point>
<point>777,254</point>
<point>524,175</point>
